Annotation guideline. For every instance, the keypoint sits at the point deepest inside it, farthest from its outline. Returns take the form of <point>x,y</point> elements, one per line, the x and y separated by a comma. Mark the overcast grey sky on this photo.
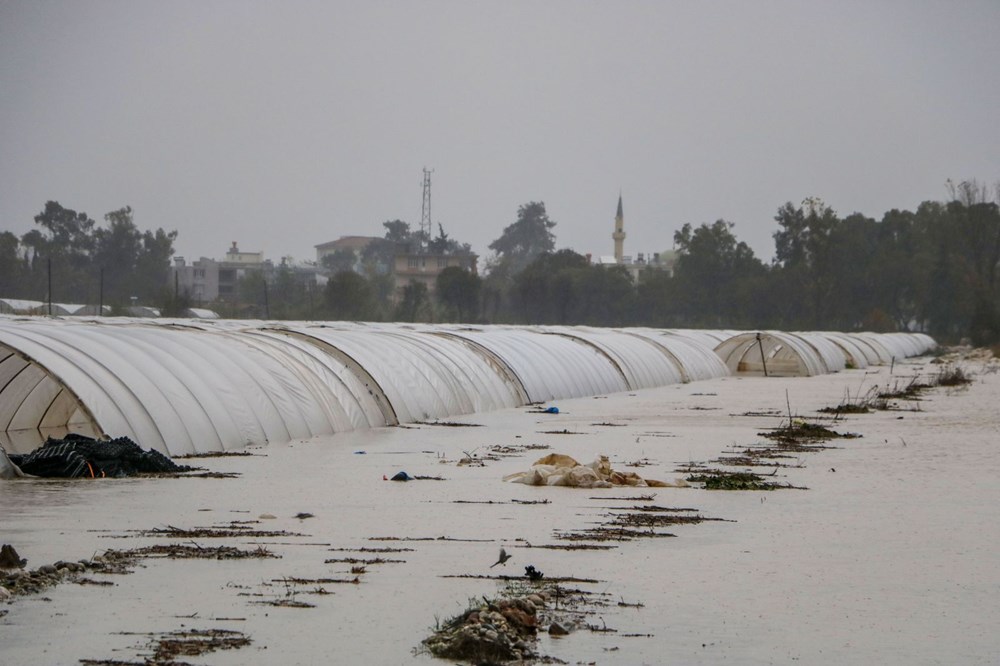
<point>286,124</point>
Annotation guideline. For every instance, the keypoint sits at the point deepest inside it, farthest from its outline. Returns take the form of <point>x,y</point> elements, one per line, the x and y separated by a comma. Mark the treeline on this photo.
<point>934,269</point>
<point>361,285</point>
<point>85,262</point>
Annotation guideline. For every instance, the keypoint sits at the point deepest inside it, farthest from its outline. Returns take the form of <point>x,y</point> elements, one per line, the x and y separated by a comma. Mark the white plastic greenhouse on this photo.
<point>192,386</point>
<point>778,354</point>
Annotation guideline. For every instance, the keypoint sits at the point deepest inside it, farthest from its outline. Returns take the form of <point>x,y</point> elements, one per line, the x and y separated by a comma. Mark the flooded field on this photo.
<point>881,547</point>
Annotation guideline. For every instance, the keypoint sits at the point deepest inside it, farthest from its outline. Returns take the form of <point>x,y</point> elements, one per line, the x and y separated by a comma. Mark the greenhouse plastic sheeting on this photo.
<point>550,366</point>
<point>642,363</point>
<point>831,355</point>
<point>192,386</point>
<point>423,376</point>
<point>783,355</point>
<point>696,360</point>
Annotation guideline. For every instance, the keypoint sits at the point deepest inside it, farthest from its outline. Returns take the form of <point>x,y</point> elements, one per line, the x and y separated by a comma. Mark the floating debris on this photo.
<point>371,550</point>
<point>724,480</point>
<point>186,642</point>
<point>440,538</point>
<point>503,577</point>
<point>222,454</point>
<point>799,431</point>
<point>488,632</point>
<point>286,602</point>
<point>355,560</point>
<point>233,530</point>
<point>558,469</point>
<point>571,546</point>
<point>184,552</point>
<point>449,424</point>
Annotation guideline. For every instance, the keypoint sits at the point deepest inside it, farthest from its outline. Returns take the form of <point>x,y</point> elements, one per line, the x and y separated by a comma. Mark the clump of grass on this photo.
<point>719,480</point>
<point>798,431</point>
<point>908,391</point>
<point>846,408</point>
<point>952,375</point>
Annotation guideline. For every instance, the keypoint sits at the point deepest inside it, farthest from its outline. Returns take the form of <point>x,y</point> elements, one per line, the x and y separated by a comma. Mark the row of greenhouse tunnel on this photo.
<point>185,387</point>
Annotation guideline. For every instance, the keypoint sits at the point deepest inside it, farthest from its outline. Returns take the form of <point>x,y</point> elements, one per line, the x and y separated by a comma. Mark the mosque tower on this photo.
<point>619,234</point>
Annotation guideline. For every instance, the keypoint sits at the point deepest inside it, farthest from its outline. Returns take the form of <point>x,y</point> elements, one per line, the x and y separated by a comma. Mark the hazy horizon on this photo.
<point>285,125</point>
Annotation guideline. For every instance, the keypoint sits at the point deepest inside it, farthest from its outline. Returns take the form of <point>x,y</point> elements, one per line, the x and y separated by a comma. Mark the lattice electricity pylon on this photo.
<point>425,211</point>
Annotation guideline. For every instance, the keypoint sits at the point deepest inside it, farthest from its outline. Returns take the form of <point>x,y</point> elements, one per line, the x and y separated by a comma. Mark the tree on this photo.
<point>458,292</point>
<point>153,263</point>
<point>12,268</point>
<point>65,241</point>
<point>525,239</point>
<point>341,259</point>
<point>116,251</point>
<point>442,244</point>
<point>397,231</point>
<point>544,292</point>
<point>69,231</point>
<point>605,295</point>
<point>349,296</point>
<point>976,224</point>
<point>713,274</point>
<point>415,305</point>
<point>252,298</point>
<point>399,234</point>
<point>135,263</point>
<point>803,261</point>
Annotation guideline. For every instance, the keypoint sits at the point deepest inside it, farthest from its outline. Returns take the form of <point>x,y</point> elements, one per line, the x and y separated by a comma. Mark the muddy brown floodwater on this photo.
<point>884,549</point>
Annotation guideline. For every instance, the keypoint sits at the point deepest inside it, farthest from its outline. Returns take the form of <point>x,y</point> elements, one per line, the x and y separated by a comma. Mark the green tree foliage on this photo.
<point>350,297</point>
<point>64,241</point>
<point>975,216</point>
<point>253,297</point>
<point>342,259</point>
<point>527,238</point>
<point>134,263</point>
<point>458,292</point>
<point>378,256</point>
<point>442,244</point>
<point>397,231</point>
<point>543,293</point>
<point>13,267</point>
<point>804,262</point>
<point>564,288</point>
<point>714,277</point>
<point>415,305</point>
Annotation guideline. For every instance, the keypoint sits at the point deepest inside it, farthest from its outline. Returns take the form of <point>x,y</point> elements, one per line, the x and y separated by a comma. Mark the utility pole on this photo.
<point>267,304</point>
<point>425,210</point>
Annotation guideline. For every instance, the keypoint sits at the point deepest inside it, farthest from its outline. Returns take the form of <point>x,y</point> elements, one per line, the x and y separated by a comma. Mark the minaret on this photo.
<point>619,234</point>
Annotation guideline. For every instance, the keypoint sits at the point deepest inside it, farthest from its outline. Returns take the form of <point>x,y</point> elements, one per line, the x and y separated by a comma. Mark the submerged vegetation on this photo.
<point>721,480</point>
<point>797,432</point>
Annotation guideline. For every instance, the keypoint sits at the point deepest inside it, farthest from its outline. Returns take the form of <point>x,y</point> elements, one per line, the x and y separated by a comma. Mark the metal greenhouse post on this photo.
<point>763,361</point>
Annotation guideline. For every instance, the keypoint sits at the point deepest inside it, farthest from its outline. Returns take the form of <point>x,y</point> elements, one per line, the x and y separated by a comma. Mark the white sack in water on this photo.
<point>557,469</point>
